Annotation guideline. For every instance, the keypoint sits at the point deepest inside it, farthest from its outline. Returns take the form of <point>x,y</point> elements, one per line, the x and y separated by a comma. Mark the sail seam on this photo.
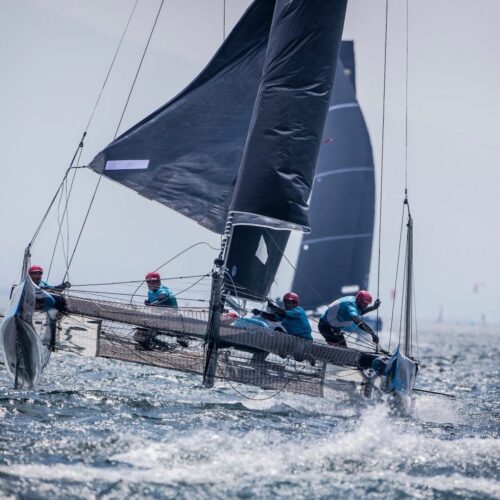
<point>339,237</point>
<point>344,171</point>
<point>336,107</point>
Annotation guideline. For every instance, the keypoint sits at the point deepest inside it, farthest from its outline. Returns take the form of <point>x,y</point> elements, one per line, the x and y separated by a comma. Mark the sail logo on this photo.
<point>127,164</point>
<point>261,252</point>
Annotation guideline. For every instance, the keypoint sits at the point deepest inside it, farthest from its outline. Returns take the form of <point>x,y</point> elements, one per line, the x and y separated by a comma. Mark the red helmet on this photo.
<point>153,277</point>
<point>363,298</point>
<point>35,269</point>
<point>292,297</point>
<point>230,315</point>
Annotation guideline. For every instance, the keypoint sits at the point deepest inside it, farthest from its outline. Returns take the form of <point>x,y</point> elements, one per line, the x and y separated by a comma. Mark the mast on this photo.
<point>409,283</point>
<point>217,297</point>
<point>26,259</point>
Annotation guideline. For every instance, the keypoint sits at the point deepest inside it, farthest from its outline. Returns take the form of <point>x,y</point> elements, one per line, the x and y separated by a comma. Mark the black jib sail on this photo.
<point>285,134</point>
<point>254,257</point>
<point>335,257</point>
<point>186,155</point>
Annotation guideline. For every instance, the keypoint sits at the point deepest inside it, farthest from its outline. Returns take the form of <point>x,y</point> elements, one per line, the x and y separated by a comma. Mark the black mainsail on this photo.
<point>334,258</point>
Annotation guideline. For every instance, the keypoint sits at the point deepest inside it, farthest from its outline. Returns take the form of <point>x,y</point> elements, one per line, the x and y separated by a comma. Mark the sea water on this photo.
<point>106,429</point>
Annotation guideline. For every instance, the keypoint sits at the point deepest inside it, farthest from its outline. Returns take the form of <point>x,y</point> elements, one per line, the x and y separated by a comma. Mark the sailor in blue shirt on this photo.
<point>344,312</point>
<point>158,294</point>
<point>293,317</point>
<point>44,298</point>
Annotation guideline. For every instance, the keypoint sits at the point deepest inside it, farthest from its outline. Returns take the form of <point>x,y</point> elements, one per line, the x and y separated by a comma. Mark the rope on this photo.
<point>116,133</point>
<point>301,275</point>
<point>112,64</point>
<point>172,259</point>
<point>37,231</point>
<point>223,20</point>
<point>406,98</point>
<point>382,153</point>
<point>397,273</point>
<point>403,297</point>
<point>65,212</point>
<point>237,391</point>
<point>139,68</point>
<point>139,281</point>
<point>415,316</point>
<point>80,145</point>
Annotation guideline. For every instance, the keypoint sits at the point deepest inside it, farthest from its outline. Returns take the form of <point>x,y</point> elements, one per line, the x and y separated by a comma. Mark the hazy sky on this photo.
<point>54,55</point>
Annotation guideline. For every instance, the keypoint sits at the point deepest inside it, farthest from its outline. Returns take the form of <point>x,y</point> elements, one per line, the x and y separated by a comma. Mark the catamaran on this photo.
<point>236,151</point>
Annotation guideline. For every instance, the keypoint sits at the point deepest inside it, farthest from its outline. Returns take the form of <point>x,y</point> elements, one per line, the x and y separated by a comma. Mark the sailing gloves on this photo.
<point>62,286</point>
<point>375,338</point>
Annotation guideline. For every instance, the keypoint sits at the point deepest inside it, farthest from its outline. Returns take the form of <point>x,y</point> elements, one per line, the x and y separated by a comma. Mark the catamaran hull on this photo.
<point>26,348</point>
<point>401,373</point>
<point>22,353</point>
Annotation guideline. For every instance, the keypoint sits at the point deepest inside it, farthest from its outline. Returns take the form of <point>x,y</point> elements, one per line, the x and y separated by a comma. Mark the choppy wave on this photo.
<point>112,430</point>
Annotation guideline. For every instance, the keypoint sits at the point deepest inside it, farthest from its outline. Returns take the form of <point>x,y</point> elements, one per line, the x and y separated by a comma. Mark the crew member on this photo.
<point>293,317</point>
<point>159,295</point>
<point>343,312</point>
<point>51,296</point>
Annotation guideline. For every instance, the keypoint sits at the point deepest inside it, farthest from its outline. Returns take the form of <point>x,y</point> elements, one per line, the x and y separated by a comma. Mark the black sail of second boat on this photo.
<point>334,258</point>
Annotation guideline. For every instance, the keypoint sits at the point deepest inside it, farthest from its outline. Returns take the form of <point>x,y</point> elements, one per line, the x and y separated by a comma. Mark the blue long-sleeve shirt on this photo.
<point>296,323</point>
<point>162,297</point>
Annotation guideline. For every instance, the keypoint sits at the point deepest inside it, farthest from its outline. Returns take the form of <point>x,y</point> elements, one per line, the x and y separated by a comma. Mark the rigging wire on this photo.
<point>111,65</point>
<point>302,276</point>
<point>138,281</point>
<point>403,296</point>
<point>406,161</point>
<point>172,259</point>
<point>382,152</point>
<point>235,389</point>
<point>397,273</point>
<point>406,98</point>
<point>223,20</point>
<point>81,143</point>
<point>138,69</point>
<point>116,133</point>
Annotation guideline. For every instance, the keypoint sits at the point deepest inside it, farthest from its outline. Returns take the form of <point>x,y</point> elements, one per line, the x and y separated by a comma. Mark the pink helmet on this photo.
<point>292,297</point>
<point>363,298</point>
<point>153,277</point>
<point>35,269</point>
